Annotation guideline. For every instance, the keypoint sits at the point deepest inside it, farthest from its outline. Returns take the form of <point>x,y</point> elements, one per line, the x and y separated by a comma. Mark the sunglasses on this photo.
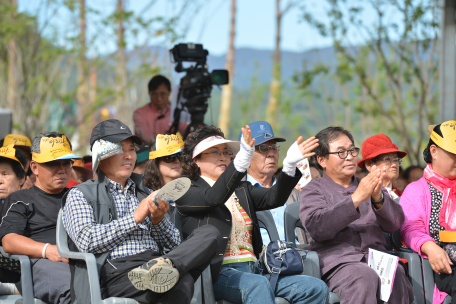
<point>265,148</point>
<point>171,158</point>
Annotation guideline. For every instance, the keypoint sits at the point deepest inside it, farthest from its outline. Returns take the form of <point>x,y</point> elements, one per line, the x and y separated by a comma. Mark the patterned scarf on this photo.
<point>447,187</point>
<point>239,236</point>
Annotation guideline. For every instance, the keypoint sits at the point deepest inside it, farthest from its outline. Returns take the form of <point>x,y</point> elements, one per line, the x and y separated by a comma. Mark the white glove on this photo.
<point>242,159</point>
<point>292,159</point>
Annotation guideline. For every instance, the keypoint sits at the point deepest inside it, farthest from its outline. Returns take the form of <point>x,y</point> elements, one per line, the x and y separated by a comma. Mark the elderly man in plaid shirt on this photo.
<point>115,218</point>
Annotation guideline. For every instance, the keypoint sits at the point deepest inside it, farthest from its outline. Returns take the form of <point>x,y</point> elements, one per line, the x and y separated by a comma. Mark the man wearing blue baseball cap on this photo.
<point>263,166</point>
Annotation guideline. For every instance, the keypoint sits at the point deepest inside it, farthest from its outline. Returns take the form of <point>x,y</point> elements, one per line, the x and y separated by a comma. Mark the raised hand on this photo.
<point>247,135</point>
<point>307,146</point>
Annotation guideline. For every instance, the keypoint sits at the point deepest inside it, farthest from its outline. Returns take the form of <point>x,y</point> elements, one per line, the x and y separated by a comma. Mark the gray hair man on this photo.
<point>261,173</point>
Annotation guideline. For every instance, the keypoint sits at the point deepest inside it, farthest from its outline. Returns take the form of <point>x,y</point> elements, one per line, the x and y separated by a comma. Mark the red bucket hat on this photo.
<point>376,145</point>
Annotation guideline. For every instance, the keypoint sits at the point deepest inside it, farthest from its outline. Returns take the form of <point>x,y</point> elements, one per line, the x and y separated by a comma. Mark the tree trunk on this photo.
<point>125,113</point>
<point>227,90</point>
<point>274,91</point>
<point>82,93</point>
<point>12,87</point>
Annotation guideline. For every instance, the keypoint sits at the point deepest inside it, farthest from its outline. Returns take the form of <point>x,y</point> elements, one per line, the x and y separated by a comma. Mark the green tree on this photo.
<point>391,75</point>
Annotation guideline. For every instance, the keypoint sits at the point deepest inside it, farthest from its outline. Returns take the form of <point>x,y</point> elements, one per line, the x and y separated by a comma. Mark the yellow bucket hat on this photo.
<point>448,141</point>
<point>167,145</point>
<point>54,148</point>
<point>10,152</point>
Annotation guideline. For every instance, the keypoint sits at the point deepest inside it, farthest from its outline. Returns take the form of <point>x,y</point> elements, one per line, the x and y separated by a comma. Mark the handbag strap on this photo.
<point>275,272</point>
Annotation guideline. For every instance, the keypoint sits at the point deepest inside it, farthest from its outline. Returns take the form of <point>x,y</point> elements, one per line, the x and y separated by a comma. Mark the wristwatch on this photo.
<point>378,202</point>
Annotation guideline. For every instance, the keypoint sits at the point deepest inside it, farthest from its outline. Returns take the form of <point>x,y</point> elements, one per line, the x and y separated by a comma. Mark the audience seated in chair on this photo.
<point>261,173</point>
<point>344,217</point>
<point>115,218</point>
<point>219,197</point>
<point>429,210</point>
<point>12,178</point>
<point>29,217</point>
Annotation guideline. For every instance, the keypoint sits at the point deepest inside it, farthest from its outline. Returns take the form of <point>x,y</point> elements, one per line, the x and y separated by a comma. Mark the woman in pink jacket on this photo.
<point>430,207</point>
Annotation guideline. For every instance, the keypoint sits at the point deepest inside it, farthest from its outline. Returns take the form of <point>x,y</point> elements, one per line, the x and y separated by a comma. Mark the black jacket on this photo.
<point>203,204</point>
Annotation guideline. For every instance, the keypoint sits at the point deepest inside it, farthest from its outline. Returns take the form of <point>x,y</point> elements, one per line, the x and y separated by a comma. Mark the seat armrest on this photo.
<point>312,265</point>
<point>26,275</point>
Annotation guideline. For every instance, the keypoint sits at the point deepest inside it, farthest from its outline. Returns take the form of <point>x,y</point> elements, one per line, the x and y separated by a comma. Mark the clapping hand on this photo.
<point>370,186</point>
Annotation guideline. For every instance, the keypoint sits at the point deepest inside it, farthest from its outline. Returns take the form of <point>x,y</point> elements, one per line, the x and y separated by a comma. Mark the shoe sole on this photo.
<point>159,279</point>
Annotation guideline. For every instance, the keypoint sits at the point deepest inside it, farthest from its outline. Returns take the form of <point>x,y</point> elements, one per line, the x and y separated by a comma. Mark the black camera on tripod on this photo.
<point>196,86</point>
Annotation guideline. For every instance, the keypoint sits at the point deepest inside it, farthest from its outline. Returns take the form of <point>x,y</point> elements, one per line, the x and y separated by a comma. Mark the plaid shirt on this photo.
<point>122,236</point>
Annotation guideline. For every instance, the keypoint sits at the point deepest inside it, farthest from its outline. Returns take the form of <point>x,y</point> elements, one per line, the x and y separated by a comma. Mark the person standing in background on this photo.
<point>154,118</point>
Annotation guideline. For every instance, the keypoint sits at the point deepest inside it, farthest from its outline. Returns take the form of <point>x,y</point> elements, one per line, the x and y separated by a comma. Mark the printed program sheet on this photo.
<point>385,266</point>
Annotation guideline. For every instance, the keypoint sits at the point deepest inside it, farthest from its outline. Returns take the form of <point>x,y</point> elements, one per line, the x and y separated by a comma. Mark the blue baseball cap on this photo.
<point>261,132</point>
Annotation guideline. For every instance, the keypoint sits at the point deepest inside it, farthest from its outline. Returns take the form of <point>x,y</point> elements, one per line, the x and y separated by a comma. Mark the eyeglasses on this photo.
<point>389,160</point>
<point>265,148</point>
<point>55,165</point>
<point>217,153</point>
<point>171,158</point>
<point>344,153</point>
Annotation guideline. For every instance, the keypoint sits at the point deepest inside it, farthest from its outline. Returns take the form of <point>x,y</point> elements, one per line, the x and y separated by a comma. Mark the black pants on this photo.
<point>190,258</point>
<point>447,283</point>
<point>8,276</point>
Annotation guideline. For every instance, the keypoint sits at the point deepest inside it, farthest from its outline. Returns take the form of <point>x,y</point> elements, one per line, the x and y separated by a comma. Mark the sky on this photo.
<point>255,26</point>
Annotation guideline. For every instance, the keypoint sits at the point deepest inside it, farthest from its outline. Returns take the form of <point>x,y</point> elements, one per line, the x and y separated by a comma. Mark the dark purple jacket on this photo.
<point>338,232</point>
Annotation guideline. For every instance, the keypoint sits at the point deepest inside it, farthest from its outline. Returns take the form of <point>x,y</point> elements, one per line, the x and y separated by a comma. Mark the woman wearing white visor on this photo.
<point>218,197</point>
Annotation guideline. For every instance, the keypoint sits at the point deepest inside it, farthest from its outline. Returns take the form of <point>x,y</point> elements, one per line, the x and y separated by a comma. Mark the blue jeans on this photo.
<point>241,283</point>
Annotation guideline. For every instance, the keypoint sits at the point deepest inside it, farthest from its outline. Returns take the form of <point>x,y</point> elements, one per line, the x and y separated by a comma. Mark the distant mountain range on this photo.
<point>249,62</point>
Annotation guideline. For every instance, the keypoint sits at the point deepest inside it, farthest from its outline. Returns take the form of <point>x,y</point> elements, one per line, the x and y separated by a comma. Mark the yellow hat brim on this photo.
<point>54,154</point>
<point>165,151</point>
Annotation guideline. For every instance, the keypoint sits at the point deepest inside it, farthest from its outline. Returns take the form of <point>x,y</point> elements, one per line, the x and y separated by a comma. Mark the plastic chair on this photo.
<point>413,263</point>
<point>27,296</point>
<point>89,258</point>
<point>428,275</point>
<point>291,222</point>
<point>266,221</point>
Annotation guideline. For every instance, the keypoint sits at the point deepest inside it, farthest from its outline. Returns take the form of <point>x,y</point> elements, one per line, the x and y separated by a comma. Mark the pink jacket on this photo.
<point>416,203</point>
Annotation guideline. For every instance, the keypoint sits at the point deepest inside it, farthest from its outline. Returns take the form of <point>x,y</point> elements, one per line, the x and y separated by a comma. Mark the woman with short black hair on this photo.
<point>218,197</point>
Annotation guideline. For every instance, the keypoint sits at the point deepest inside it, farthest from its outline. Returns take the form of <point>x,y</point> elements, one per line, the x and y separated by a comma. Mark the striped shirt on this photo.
<point>247,254</point>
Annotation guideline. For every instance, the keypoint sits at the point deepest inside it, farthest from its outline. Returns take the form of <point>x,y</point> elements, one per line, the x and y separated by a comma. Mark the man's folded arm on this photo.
<point>89,236</point>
